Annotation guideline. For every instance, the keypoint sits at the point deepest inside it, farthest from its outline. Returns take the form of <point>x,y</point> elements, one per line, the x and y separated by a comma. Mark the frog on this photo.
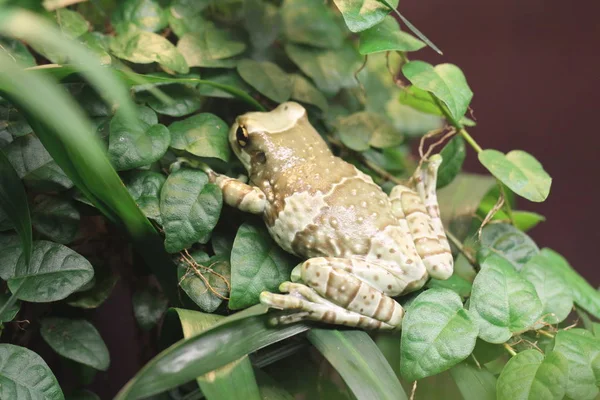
<point>361,246</point>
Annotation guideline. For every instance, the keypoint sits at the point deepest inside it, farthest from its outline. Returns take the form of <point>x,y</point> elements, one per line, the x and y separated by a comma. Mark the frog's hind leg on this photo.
<point>309,305</point>
<point>335,295</point>
<point>428,236</point>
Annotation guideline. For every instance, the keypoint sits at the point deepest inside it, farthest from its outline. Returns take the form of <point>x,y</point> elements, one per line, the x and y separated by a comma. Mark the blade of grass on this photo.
<point>66,133</point>
<point>360,363</point>
<point>235,380</point>
<point>413,28</point>
<point>228,340</point>
<point>34,29</point>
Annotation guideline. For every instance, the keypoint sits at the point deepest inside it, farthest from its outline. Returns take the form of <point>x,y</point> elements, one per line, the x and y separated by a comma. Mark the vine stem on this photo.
<point>463,132</point>
<point>507,206</point>
<point>510,350</point>
<point>547,334</point>
<point>462,250</point>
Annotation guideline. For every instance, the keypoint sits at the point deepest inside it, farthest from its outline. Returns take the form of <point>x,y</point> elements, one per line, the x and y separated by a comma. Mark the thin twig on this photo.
<point>461,249</point>
<point>413,392</point>
<point>510,350</point>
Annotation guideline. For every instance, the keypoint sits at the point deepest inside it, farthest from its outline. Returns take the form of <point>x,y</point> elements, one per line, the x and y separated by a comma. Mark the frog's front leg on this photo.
<point>351,292</point>
<point>238,194</point>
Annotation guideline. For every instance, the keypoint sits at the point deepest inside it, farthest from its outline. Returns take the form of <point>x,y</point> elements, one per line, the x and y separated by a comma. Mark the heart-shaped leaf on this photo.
<point>145,47</point>
<point>35,165</point>
<point>25,374</point>
<point>387,36</point>
<point>136,145</point>
<point>420,100</point>
<point>520,171</point>
<point>262,20</point>
<point>147,15</point>
<point>304,92</point>
<point>257,264</point>
<point>185,100</point>
<point>474,383</point>
<point>363,129</point>
<point>55,271</point>
<point>56,218</point>
<point>267,78</point>
<point>582,350</point>
<point>584,294</point>
<point>195,279</point>
<point>311,22</point>
<point>331,70</point>
<point>531,376</point>
<point>453,155</point>
<point>502,301</point>
<point>204,135</point>
<point>363,14</point>
<point>445,81</point>
<point>551,288</point>
<point>149,305</point>
<point>209,46</point>
<point>76,339</point>
<point>508,242</point>
<point>144,187</point>
<point>189,208</point>
<point>437,333</point>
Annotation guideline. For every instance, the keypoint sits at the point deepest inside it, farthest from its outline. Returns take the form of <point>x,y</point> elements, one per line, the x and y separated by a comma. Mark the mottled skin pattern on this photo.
<point>361,245</point>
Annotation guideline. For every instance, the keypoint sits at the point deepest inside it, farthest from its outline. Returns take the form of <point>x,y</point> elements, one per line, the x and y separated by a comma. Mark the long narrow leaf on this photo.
<point>230,339</point>
<point>360,362</point>
<point>34,29</point>
<point>235,380</point>
<point>67,135</point>
<point>13,202</point>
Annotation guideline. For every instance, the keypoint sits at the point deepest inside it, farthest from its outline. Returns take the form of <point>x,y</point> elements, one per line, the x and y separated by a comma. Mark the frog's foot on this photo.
<point>309,305</point>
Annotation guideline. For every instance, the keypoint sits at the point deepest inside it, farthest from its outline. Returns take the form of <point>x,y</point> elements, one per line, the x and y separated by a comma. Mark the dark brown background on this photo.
<point>533,66</point>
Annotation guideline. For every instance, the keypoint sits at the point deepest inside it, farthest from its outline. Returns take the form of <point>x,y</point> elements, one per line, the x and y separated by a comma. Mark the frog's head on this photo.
<point>274,140</point>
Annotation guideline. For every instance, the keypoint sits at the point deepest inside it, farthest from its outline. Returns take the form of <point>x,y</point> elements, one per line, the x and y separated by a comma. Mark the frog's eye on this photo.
<point>241,134</point>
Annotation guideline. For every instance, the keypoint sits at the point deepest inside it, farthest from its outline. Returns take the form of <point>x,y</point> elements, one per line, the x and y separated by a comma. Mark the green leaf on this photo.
<point>267,78</point>
<point>257,264</point>
<point>311,22</point>
<point>360,363</point>
<point>502,302</point>
<point>520,171</point>
<point>304,92</point>
<point>209,47</point>
<point>185,100</point>
<point>144,47</point>
<point>530,376</point>
<point>229,78</point>
<point>392,5</point>
<point>459,200</point>
<point>523,220</point>
<point>204,135</point>
<point>363,129</point>
<point>207,271</point>
<point>135,145</point>
<point>387,36</point>
<point>76,340</point>
<point>585,296</point>
<point>456,283</point>
<point>185,16</point>
<point>71,23</point>
<point>453,155</point>
<point>437,333</point>
<point>420,100</point>
<point>552,289</point>
<point>10,310</point>
<point>147,15</point>
<point>227,341</point>
<point>232,381</point>
<point>17,51</point>
<point>104,282</point>
<point>145,187</point>
<point>331,70</point>
<point>580,348</point>
<point>14,205</point>
<point>474,383</point>
<point>149,305</point>
<point>25,374</point>
<point>445,81</point>
<point>262,20</point>
<point>363,14</point>
<point>55,218</point>
<point>55,271</point>
<point>35,165</point>
<point>508,242</point>
<point>189,208</point>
